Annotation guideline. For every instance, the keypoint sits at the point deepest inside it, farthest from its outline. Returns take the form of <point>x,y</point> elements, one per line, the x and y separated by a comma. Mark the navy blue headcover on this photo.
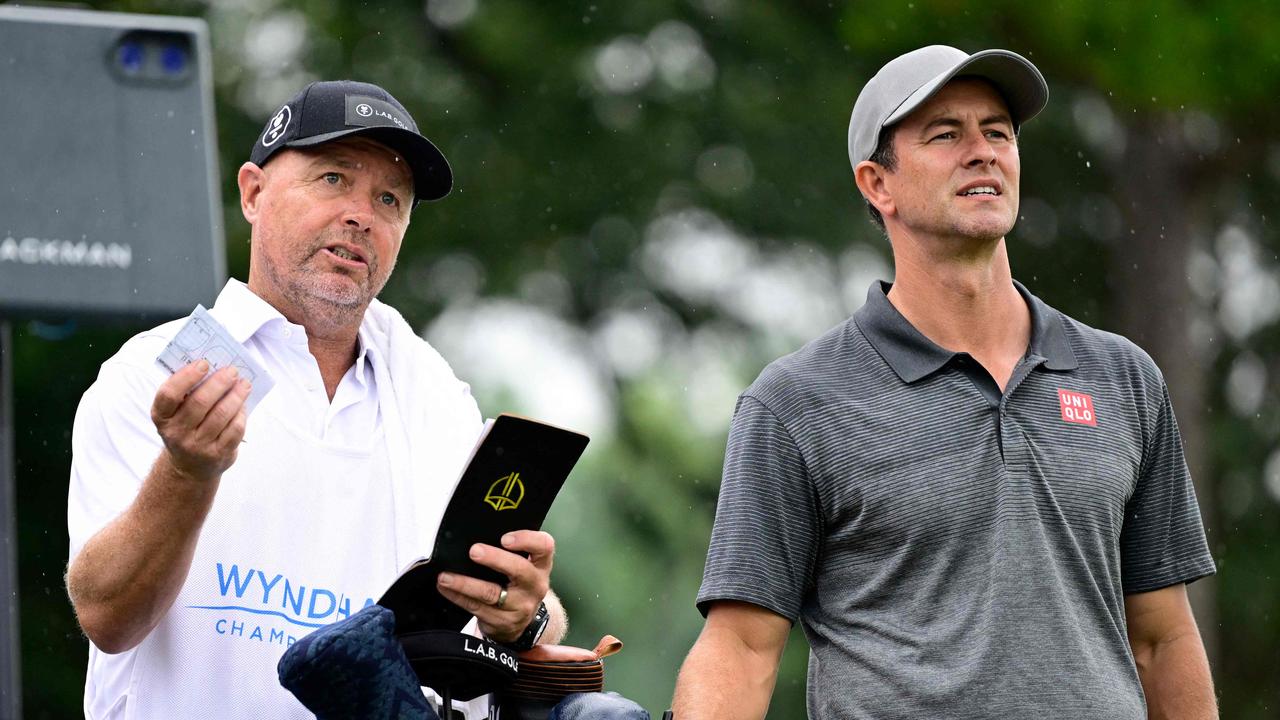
<point>355,669</point>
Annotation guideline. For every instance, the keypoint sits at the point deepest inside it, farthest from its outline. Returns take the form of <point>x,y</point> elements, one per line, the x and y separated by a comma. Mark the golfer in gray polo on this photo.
<point>976,506</point>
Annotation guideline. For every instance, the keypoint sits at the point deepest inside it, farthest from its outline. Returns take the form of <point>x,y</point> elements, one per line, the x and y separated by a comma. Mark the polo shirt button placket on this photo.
<point>1000,431</point>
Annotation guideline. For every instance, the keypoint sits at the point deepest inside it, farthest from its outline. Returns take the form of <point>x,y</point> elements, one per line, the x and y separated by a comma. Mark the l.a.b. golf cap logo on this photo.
<point>365,111</point>
<point>505,493</point>
<point>276,128</point>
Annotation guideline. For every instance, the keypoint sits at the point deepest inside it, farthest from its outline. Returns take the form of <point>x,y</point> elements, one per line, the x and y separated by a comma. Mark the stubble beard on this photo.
<point>984,228</point>
<point>325,298</point>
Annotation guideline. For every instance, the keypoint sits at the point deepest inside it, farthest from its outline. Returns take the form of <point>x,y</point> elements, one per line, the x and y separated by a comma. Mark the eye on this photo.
<point>389,199</point>
<point>944,136</point>
<point>332,178</point>
<point>997,134</point>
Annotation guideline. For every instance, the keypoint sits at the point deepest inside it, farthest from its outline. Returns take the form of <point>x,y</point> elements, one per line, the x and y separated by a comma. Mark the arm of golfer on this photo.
<point>731,670</point>
<point>1170,656</point>
<point>127,575</point>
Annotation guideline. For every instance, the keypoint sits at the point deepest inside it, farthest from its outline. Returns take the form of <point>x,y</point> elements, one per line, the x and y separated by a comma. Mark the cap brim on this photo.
<point>1019,82</point>
<point>432,178</point>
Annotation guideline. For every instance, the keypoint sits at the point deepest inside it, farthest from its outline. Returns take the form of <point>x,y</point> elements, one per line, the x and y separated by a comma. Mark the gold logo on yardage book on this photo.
<point>506,492</point>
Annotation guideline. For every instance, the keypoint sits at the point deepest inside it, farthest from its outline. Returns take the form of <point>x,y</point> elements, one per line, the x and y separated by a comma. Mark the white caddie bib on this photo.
<point>291,544</point>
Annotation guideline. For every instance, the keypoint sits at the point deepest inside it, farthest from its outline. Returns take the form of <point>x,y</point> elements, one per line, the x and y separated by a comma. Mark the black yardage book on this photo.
<point>509,484</point>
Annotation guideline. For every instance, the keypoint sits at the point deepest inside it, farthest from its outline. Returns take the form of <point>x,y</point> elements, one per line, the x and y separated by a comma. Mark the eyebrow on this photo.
<point>948,121</point>
<point>396,180</point>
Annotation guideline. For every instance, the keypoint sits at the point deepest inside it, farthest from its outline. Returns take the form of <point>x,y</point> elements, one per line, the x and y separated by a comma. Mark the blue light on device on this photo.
<point>174,59</point>
<point>131,57</point>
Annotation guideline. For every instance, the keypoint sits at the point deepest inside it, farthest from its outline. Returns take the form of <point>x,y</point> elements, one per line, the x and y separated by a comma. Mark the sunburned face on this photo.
<point>327,227</point>
<point>958,167</point>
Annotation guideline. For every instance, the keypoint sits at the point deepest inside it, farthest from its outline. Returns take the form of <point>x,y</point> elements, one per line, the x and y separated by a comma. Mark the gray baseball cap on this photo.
<point>907,81</point>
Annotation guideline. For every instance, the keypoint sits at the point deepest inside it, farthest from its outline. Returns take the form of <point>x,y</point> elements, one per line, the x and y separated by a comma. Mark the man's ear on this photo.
<point>251,180</point>
<point>870,179</point>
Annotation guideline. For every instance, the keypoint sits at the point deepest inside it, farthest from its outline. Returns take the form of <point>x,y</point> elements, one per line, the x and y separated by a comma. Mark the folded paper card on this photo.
<point>203,338</point>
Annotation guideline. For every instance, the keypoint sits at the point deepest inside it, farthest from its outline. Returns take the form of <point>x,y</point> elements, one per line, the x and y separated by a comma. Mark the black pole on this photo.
<point>446,702</point>
<point>10,660</point>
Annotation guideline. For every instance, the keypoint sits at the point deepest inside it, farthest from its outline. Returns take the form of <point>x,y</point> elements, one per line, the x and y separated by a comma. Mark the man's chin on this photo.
<point>339,293</point>
<point>985,229</point>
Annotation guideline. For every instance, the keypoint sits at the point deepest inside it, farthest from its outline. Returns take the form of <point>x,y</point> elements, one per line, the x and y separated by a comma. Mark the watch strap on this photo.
<point>533,632</point>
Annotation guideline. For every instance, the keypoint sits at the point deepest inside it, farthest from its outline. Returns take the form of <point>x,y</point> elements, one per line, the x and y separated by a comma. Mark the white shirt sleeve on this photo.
<point>113,446</point>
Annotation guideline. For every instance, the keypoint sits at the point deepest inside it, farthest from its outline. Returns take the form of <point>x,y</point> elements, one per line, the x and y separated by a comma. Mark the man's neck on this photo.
<point>334,354</point>
<point>964,302</point>
<point>332,335</point>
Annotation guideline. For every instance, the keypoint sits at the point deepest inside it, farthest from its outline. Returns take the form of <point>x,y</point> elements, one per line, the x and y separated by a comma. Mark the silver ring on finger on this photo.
<point>502,599</point>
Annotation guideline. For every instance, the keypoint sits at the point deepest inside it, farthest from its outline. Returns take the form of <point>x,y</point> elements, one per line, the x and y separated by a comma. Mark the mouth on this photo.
<point>981,188</point>
<point>347,255</point>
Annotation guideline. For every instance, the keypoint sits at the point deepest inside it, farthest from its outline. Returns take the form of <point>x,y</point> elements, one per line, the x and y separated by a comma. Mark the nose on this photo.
<point>979,152</point>
<point>358,214</point>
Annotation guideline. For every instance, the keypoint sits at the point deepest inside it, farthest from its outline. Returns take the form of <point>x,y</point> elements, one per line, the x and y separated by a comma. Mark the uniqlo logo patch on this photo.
<point>1077,408</point>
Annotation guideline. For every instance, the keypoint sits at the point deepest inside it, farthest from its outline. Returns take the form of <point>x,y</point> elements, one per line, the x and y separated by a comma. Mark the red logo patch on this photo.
<point>1077,408</point>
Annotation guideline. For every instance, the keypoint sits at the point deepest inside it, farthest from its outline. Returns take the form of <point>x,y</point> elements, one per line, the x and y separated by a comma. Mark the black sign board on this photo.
<point>109,197</point>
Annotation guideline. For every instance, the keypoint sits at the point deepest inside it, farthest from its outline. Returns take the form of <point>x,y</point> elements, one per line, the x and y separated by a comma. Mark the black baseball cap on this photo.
<point>326,111</point>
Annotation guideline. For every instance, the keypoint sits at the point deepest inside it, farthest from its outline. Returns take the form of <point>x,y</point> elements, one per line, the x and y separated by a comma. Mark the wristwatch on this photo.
<point>534,631</point>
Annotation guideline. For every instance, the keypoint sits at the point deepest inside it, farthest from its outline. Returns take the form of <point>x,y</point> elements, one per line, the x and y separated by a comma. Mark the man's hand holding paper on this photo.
<point>201,420</point>
<point>201,411</point>
<point>204,338</point>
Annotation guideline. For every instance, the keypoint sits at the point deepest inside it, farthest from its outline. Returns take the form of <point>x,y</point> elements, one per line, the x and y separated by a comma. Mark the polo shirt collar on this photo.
<point>367,353</point>
<point>914,356</point>
<point>1048,339</point>
<point>242,312</point>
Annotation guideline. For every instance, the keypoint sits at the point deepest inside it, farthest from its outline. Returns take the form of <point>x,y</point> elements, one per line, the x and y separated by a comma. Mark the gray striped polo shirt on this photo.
<point>951,550</point>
